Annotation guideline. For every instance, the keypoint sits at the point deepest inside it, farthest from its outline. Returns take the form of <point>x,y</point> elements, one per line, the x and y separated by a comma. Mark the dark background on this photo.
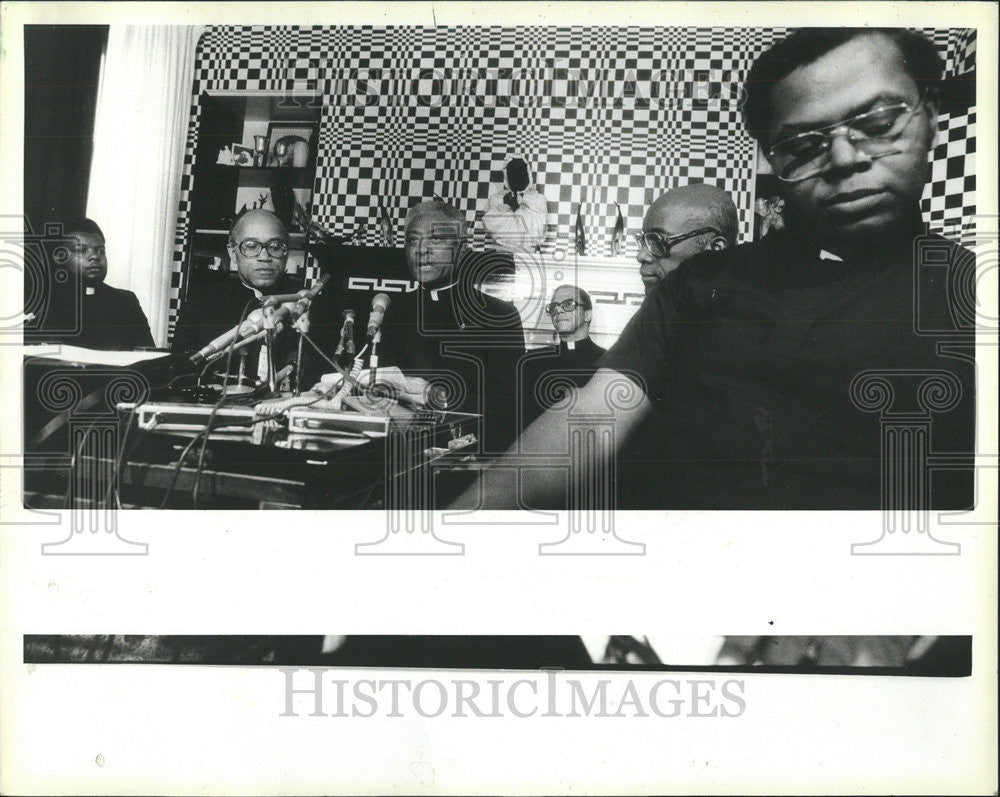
<point>62,66</point>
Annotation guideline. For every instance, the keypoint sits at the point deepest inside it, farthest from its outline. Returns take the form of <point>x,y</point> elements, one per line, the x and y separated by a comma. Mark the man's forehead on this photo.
<point>433,221</point>
<point>564,292</point>
<point>260,228</point>
<point>673,217</point>
<point>848,80</point>
<point>87,238</point>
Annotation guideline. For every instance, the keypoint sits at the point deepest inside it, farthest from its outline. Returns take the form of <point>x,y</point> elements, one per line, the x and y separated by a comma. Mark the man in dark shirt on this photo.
<point>258,245</point>
<point>547,372</point>
<point>679,224</point>
<point>768,363</point>
<point>83,311</point>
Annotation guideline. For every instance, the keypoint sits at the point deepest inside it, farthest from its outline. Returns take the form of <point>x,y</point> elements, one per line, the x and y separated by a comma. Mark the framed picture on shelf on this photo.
<point>242,155</point>
<point>291,143</point>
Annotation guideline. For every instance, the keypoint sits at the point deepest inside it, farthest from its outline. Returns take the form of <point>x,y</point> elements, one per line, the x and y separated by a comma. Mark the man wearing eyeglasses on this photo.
<point>682,222</point>
<point>83,310</point>
<point>546,373</point>
<point>258,245</point>
<point>749,358</point>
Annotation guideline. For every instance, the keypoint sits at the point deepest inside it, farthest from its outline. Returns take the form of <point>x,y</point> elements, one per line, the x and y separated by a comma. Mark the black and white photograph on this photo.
<point>554,288</point>
<point>522,326</point>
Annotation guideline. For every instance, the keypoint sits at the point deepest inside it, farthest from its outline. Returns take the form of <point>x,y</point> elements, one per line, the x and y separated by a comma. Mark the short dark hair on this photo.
<point>81,224</point>
<point>806,45</point>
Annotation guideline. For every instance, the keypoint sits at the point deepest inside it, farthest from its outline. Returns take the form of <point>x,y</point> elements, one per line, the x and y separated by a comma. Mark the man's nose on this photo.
<point>644,255</point>
<point>844,154</point>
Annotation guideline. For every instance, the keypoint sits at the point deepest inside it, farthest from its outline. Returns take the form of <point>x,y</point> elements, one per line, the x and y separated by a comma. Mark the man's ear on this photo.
<point>932,99</point>
<point>588,316</point>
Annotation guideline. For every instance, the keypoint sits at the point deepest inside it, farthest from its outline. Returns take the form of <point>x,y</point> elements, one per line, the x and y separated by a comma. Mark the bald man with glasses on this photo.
<point>747,360</point>
<point>680,224</point>
<point>258,246</point>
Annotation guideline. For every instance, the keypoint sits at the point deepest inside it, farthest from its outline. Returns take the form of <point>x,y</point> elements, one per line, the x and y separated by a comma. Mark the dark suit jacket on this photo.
<point>567,365</point>
<point>109,318</point>
<point>216,305</point>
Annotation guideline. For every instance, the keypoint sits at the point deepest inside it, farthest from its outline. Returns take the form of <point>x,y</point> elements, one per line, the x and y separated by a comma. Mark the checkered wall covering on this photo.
<point>604,115</point>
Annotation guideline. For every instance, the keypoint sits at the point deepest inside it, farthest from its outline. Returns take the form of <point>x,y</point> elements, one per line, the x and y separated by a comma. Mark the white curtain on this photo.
<point>143,105</point>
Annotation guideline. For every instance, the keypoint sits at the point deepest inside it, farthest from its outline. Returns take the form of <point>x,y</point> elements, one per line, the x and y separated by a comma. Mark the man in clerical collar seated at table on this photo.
<point>464,342</point>
<point>258,245</point>
<point>83,310</point>
<point>448,329</point>
<point>548,371</point>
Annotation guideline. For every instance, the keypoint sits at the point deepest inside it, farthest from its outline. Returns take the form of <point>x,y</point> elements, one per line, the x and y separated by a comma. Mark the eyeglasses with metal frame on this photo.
<point>873,133</point>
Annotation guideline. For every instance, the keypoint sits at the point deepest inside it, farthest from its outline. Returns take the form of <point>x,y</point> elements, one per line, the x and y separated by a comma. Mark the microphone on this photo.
<point>346,334</point>
<point>282,298</point>
<point>285,314</point>
<point>314,291</point>
<point>221,342</point>
<point>380,303</point>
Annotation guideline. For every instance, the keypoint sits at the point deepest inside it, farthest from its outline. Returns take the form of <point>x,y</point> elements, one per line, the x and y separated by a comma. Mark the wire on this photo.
<point>204,432</point>
<point>339,368</point>
<point>73,463</point>
<point>218,404</point>
<point>116,474</point>
<point>208,423</point>
<point>177,468</point>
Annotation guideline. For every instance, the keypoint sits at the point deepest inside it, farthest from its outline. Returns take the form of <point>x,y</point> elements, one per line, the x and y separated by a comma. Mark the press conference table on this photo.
<point>236,474</point>
<point>248,466</point>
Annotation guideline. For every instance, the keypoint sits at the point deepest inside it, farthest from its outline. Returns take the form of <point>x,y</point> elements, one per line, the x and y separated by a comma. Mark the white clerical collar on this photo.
<point>90,290</point>
<point>256,291</point>
<point>824,255</point>
<point>436,293</point>
<point>570,344</point>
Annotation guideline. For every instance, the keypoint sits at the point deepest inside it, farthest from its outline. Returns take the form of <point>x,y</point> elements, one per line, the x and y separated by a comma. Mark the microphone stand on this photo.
<point>241,374</point>
<point>346,343</point>
<point>301,326</point>
<point>298,369</point>
<point>272,382</point>
<point>373,358</point>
